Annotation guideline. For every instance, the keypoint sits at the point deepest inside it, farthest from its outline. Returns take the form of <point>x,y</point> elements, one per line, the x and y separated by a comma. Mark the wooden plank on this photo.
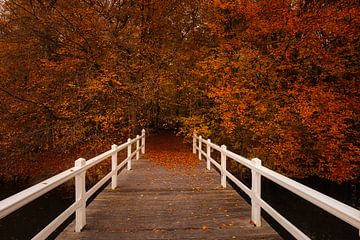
<point>151,202</point>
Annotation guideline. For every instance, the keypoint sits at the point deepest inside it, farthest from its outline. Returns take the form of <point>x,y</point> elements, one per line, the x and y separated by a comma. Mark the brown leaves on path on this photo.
<point>167,150</point>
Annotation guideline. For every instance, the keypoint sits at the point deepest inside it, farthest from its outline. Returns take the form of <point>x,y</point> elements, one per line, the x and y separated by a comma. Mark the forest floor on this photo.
<point>169,151</point>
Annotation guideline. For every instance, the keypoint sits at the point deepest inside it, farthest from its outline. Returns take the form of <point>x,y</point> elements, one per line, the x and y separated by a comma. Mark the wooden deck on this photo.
<point>155,203</point>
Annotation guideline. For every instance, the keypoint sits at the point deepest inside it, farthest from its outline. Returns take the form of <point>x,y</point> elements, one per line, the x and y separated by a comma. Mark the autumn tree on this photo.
<point>283,80</point>
<point>272,79</point>
<point>94,72</point>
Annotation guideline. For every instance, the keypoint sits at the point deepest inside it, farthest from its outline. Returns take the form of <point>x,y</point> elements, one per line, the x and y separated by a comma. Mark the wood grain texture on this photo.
<point>152,202</point>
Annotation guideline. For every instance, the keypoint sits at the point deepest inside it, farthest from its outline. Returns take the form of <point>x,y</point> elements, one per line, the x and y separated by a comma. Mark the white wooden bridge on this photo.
<point>151,202</point>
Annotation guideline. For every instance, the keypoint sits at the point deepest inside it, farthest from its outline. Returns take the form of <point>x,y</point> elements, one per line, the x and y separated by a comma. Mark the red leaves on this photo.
<point>277,79</point>
<point>283,80</point>
<point>169,151</point>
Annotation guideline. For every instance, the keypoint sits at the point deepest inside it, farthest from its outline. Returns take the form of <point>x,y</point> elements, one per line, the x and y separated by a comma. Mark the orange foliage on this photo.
<point>94,72</point>
<point>171,152</point>
<point>284,81</point>
<point>274,79</point>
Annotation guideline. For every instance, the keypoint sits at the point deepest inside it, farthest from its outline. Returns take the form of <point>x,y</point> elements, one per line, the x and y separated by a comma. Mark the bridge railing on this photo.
<point>12,203</point>
<point>336,208</point>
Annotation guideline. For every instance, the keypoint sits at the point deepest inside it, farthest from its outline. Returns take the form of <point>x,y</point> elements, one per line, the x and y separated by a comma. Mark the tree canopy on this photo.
<point>273,79</point>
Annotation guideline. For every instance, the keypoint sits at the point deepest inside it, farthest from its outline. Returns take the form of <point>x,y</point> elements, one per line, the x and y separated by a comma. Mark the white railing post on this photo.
<point>223,166</point>
<point>208,149</point>
<point>143,141</point>
<point>256,193</point>
<point>113,167</point>
<point>129,154</point>
<point>200,147</point>
<point>137,147</point>
<point>80,216</point>
<point>194,143</point>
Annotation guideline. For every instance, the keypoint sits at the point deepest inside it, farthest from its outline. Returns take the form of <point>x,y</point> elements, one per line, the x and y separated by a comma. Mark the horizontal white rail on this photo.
<point>336,208</point>
<point>239,183</point>
<point>216,164</point>
<point>283,221</point>
<point>22,198</point>
<point>43,234</point>
<point>331,205</point>
<point>12,203</point>
<point>99,184</point>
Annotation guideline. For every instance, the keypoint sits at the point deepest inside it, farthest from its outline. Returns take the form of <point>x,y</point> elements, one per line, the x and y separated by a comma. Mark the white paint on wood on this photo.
<point>138,147</point>
<point>242,186</point>
<point>12,203</point>
<point>208,154</point>
<point>129,157</point>
<point>16,201</point>
<point>194,143</point>
<point>338,209</point>
<point>223,166</point>
<point>215,163</point>
<point>113,167</point>
<point>200,146</point>
<point>297,233</point>
<point>80,216</point>
<point>255,193</point>
<point>331,205</point>
<point>143,141</point>
<point>100,183</point>
<point>46,232</point>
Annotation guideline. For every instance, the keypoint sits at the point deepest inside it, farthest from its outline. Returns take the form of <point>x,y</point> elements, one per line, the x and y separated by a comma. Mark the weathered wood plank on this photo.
<point>154,203</point>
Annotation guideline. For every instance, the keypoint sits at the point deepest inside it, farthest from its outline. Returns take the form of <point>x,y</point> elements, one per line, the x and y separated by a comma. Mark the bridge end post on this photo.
<point>208,154</point>
<point>143,141</point>
<point>223,166</point>
<point>113,167</point>
<point>194,143</point>
<point>256,193</point>
<point>137,147</point>
<point>129,154</point>
<point>200,147</point>
<point>80,215</point>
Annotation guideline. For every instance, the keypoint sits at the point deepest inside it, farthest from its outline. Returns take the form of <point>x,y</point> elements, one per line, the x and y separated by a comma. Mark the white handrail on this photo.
<point>334,207</point>
<point>14,202</point>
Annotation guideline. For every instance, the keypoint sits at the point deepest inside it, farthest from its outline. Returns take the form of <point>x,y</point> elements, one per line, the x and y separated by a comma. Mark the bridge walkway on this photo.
<point>152,202</point>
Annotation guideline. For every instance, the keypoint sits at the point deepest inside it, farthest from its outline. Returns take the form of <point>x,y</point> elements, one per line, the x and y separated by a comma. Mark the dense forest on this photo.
<point>275,79</point>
